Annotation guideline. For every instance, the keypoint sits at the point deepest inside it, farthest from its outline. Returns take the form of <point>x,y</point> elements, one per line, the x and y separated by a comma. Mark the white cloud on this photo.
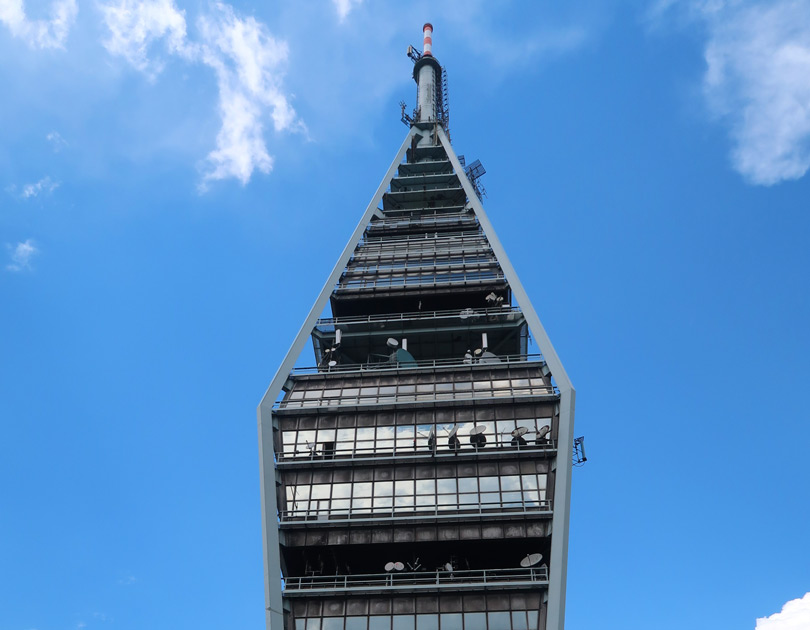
<point>795,615</point>
<point>21,255</point>
<point>248,62</point>
<point>57,141</point>
<point>45,185</point>
<point>757,80</point>
<point>50,33</point>
<point>344,7</point>
<point>135,25</point>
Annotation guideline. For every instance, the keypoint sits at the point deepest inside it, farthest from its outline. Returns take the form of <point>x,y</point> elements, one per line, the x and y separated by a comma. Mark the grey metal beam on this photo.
<point>562,486</point>
<point>270,540</point>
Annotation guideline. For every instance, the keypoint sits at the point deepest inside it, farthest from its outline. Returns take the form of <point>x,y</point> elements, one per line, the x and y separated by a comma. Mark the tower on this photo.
<point>417,475</point>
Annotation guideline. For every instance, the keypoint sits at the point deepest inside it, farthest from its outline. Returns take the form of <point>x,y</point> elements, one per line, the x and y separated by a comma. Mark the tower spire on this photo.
<point>427,73</point>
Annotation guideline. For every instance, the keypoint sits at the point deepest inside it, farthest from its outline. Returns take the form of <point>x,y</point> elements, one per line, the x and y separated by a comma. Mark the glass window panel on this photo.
<point>404,501</point>
<point>407,389</point>
<point>541,481</point>
<point>512,499</point>
<point>365,434</point>
<point>383,502</point>
<point>463,386</point>
<point>332,623</point>
<point>403,622</point>
<point>500,384</point>
<point>379,623</point>
<point>427,622</point>
<point>499,621</point>
<point>296,395</point>
<point>341,490</point>
<point>447,500</point>
<point>331,393</point>
<point>361,504</point>
<point>529,482</point>
<point>355,623</point>
<point>424,387</point>
<point>388,390</point>
<point>468,499</point>
<point>300,624</point>
<point>340,505</point>
<point>482,385</point>
<point>368,391</point>
<point>350,391</point>
<point>489,484</point>
<point>426,501</point>
<point>403,487</point>
<point>314,623</point>
<point>519,620</point>
<point>321,491</point>
<point>444,387</point>
<point>446,486</point>
<point>426,486</point>
<point>510,482</point>
<point>473,621</point>
<point>532,619</point>
<point>312,394</point>
<point>345,435</point>
<point>468,484</point>
<point>383,488</point>
<point>449,621</point>
<point>326,435</point>
<point>362,489</point>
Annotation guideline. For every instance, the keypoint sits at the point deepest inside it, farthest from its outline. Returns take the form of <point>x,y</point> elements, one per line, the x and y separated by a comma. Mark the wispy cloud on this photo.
<point>44,186</point>
<point>21,255</point>
<point>51,33</point>
<point>127,580</point>
<point>757,80</point>
<point>249,64</point>
<point>57,141</point>
<point>135,26</point>
<point>344,7</point>
<point>795,615</point>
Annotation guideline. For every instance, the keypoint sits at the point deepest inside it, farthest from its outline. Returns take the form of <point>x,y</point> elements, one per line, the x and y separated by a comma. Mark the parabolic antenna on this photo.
<point>531,560</point>
<point>401,567</point>
<point>389,566</point>
<point>392,343</point>
<point>520,431</point>
<point>488,357</point>
<point>478,429</point>
<point>454,430</point>
<point>543,432</point>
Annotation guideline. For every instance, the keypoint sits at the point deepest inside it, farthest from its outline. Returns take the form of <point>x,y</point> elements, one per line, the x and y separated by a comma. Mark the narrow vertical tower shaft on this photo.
<point>427,74</point>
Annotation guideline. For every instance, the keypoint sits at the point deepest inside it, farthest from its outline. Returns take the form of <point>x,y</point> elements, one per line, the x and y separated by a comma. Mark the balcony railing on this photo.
<point>454,510</point>
<point>469,313</point>
<point>433,279</point>
<point>350,450</point>
<point>419,580</point>
<point>376,366</point>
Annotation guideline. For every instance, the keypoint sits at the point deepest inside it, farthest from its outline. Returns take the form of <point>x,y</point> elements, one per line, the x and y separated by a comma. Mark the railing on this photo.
<point>418,579</point>
<point>350,450</point>
<point>457,277</point>
<point>428,249</point>
<point>414,187</point>
<point>449,263</point>
<point>376,366</point>
<point>450,510</point>
<point>464,233</point>
<point>441,219</point>
<point>468,313</point>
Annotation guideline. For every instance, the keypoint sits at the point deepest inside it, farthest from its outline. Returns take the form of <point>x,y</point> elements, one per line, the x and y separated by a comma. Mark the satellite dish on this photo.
<point>520,431</point>
<point>478,352</point>
<point>487,357</point>
<point>530,560</point>
<point>477,437</point>
<point>448,567</point>
<point>389,566</point>
<point>465,313</point>
<point>392,343</point>
<point>543,431</point>
<point>332,363</point>
<point>401,567</point>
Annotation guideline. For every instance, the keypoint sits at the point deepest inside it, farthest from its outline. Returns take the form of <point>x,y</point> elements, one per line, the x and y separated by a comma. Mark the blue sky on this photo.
<point>178,178</point>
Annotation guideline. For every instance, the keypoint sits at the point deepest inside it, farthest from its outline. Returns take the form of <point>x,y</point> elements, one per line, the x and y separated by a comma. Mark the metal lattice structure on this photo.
<point>416,474</point>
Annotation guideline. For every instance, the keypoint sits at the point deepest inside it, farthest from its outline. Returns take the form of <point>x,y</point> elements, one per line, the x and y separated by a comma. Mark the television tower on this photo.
<point>416,472</point>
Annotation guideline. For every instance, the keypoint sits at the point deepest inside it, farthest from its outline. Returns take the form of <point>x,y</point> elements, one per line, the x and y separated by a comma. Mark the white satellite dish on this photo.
<point>520,431</point>
<point>543,431</point>
<point>454,430</point>
<point>488,357</point>
<point>530,560</point>
<point>478,429</point>
<point>401,567</point>
<point>392,343</point>
<point>389,566</point>
<point>332,363</point>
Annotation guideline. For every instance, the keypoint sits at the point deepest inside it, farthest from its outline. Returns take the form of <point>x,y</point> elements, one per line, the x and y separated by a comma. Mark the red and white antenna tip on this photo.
<point>427,30</point>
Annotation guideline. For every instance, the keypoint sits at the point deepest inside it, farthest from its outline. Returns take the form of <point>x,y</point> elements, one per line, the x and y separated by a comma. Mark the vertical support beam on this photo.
<point>270,539</point>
